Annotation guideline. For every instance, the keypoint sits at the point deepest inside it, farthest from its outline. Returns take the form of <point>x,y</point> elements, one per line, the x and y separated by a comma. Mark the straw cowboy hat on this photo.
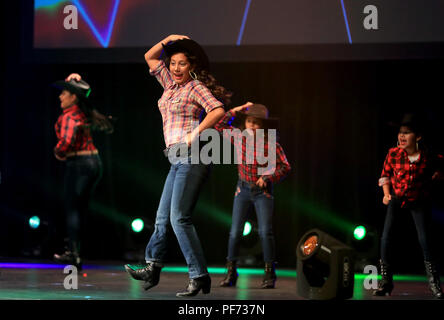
<point>258,111</point>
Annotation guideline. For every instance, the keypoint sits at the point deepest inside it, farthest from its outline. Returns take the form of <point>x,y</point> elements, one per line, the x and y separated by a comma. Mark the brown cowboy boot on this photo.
<point>270,276</point>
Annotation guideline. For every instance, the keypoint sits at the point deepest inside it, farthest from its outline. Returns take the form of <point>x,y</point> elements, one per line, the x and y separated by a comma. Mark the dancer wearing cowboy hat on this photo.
<point>190,92</point>
<point>76,148</point>
<point>406,179</point>
<point>253,188</point>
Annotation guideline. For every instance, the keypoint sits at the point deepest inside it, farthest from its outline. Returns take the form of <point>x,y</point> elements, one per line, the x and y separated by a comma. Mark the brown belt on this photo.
<point>82,153</point>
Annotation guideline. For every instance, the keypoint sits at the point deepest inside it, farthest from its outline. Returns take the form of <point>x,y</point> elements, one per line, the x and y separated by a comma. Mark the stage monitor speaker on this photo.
<point>325,267</point>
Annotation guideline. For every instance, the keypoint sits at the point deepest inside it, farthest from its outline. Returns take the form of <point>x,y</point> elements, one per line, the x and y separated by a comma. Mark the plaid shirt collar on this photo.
<point>72,108</point>
<point>181,85</point>
<point>404,153</point>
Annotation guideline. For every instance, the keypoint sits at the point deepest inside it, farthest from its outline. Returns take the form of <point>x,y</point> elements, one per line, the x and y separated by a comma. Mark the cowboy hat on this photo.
<point>191,47</point>
<point>258,111</point>
<point>80,88</point>
<point>411,120</point>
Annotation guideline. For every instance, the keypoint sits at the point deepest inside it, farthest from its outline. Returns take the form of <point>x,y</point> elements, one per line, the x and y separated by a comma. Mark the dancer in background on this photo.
<point>406,178</point>
<point>83,166</point>
<point>253,188</point>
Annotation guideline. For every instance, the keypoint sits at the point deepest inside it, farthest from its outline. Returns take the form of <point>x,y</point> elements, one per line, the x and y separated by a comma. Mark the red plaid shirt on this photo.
<point>249,172</point>
<point>182,106</point>
<point>408,180</point>
<point>73,132</point>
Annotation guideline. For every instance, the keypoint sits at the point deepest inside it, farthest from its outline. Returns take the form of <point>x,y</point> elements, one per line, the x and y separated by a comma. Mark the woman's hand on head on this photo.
<point>175,37</point>
<point>74,76</point>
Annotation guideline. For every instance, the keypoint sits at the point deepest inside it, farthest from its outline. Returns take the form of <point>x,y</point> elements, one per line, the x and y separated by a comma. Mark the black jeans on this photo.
<point>421,213</point>
<point>82,174</point>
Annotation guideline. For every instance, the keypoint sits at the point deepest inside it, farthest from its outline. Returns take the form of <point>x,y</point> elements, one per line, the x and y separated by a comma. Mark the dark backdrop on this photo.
<point>333,128</point>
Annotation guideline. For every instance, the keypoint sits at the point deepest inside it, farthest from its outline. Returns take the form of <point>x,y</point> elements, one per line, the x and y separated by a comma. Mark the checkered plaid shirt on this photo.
<point>409,181</point>
<point>182,106</point>
<point>249,151</point>
<point>73,132</point>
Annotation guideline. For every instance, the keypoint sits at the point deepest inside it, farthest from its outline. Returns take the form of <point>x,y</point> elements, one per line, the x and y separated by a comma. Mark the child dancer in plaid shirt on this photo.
<point>254,187</point>
<point>406,177</point>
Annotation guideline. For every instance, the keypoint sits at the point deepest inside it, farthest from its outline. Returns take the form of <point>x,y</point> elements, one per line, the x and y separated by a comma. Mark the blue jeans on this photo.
<point>82,173</point>
<point>421,214</point>
<point>179,197</point>
<point>263,202</point>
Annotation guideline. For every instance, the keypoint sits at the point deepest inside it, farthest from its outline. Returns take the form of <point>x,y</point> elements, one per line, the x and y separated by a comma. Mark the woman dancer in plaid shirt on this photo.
<point>253,188</point>
<point>189,92</point>
<point>406,176</point>
<point>83,164</point>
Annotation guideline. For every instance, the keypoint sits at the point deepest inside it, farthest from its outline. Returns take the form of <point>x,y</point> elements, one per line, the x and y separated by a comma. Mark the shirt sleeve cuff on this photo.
<point>157,69</point>
<point>383,181</point>
<point>220,105</point>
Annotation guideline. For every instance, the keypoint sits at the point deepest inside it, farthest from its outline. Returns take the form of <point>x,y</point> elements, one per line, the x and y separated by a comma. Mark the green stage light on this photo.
<point>34,222</point>
<point>359,232</point>
<point>137,225</point>
<point>247,229</point>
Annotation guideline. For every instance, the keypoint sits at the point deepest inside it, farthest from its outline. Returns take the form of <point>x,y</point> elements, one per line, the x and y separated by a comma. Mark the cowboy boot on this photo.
<point>150,274</point>
<point>269,279</point>
<point>71,258</point>
<point>231,277</point>
<point>385,286</point>
<point>433,277</point>
<point>194,286</point>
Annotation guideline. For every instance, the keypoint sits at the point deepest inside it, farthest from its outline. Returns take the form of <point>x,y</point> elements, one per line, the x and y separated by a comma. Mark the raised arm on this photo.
<point>223,123</point>
<point>152,56</point>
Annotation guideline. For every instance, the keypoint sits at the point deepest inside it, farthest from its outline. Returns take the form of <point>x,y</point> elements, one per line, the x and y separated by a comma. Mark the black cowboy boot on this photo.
<point>270,276</point>
<point>150,274</point>
<point>195,285</point>
<point>433,277</point>
<point>231,277</point>
<point>385,286</point>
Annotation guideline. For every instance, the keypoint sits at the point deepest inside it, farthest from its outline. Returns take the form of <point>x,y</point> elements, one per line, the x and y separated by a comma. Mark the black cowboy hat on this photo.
<point>258,111</point>
<point>414,121</point>
<point>191,47</point>
<point>80,88</point>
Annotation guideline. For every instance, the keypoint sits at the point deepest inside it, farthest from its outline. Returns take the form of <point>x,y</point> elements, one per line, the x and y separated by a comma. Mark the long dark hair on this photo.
<point>218,91</point>
<point>96,120</point>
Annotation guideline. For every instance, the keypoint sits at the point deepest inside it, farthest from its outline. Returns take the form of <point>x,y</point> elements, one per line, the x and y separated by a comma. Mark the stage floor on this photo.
<point>109,281</point>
